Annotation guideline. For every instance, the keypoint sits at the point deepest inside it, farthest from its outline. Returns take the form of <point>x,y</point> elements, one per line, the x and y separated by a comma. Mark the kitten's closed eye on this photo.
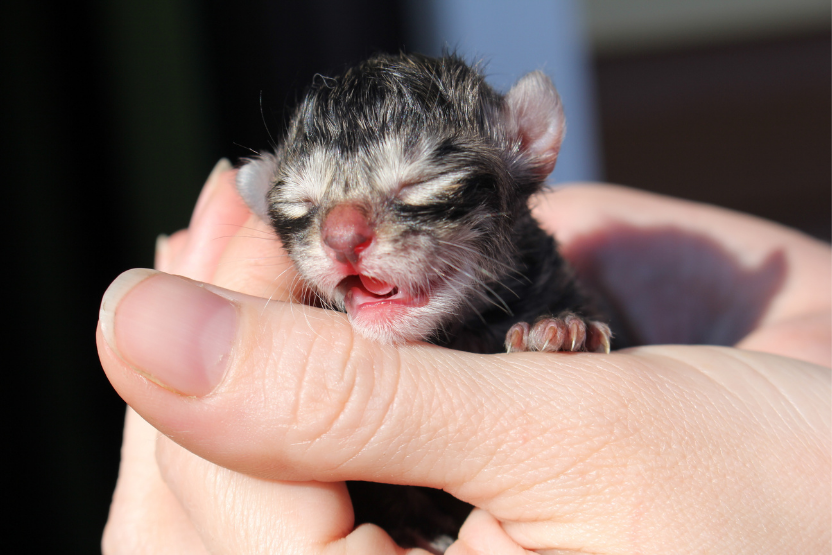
<point>297,209</point>
<point>429,191</point>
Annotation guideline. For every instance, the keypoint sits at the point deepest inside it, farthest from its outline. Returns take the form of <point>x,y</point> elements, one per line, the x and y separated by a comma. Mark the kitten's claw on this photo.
<point>517,337</point>
<point>598,337</point>
<point>567,332</point>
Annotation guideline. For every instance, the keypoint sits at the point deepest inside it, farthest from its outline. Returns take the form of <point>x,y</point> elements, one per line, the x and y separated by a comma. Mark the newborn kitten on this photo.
<point>401,191</point>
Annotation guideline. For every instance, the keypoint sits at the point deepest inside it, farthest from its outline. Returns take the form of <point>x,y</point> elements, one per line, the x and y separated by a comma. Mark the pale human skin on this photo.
<point>660,449</point>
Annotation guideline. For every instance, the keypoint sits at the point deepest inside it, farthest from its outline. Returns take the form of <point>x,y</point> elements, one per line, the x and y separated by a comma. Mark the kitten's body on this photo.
<point>401,192</point>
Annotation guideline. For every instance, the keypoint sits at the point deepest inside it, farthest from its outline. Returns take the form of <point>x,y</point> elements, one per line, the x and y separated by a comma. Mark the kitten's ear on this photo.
<point>534,116</point>
<point>254,181</point>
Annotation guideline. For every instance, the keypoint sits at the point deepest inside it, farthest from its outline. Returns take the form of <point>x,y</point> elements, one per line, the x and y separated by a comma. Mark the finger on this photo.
<point>235,513</point>
<point>169,249</point>
<point>145,517</point>
<point>227,245</point>
<point>481,534</point>
<point>172,251</point>
<point>255,263</point>
<point>219,215</point>
<point>206,195</point>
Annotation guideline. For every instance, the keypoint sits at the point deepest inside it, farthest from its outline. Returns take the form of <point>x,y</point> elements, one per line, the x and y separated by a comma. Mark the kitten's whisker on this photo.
<point>247,148</point>
<point>497,300</point>
<point>491,259</point>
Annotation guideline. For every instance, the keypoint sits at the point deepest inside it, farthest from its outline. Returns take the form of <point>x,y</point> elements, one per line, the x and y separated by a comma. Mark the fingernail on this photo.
<point>172,330</point>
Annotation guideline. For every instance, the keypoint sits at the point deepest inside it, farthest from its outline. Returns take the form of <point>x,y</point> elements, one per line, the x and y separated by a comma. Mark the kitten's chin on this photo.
<point>391,322</point>
<point>392,326</point>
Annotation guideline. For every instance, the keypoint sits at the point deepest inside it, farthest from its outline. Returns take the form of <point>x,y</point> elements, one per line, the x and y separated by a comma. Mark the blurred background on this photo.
<point>114,112</point>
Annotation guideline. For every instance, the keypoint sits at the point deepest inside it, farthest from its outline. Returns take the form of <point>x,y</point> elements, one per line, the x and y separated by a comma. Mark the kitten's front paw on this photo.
<point>567,332</point>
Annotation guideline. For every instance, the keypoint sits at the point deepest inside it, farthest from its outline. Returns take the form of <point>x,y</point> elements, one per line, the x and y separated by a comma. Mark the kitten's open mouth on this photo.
<point>366,294</point>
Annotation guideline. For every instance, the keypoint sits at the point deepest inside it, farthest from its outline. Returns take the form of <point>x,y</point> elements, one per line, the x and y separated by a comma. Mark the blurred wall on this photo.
<point>640,26</point>
<point>720,101</point>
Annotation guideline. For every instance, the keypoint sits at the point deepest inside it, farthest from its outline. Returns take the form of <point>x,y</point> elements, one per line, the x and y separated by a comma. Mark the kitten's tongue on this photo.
<point>376,299</point>
<point>376,286</point>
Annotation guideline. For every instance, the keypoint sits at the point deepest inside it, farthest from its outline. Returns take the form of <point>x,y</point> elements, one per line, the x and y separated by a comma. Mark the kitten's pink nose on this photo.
<point>346,232</point>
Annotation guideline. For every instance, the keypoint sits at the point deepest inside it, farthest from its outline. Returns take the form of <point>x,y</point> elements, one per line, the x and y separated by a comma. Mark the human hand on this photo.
<point>658,449</point>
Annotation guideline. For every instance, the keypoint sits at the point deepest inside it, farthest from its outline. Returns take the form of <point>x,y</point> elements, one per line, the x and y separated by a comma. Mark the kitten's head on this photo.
<point>397,185</point>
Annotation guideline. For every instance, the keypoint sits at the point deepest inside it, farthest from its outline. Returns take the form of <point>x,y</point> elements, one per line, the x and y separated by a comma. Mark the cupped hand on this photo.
<point>652,450</point>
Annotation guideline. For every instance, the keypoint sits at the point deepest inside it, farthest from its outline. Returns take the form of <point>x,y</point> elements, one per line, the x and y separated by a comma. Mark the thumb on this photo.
<point>288,392</point>
<point>277,390</point>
